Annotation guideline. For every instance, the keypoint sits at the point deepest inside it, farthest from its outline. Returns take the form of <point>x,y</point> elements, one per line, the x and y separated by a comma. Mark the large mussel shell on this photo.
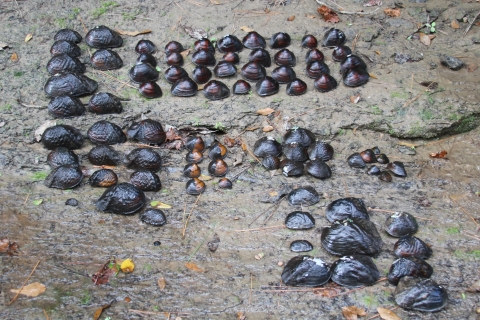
<point>309,41</point>
<point>203,58</point>
<point>65,107</point>
<point>356,161</point>
<point>411,246</point>
<point>146,58</point>
<point>64,177</point>
<point>68,35</point>
<point>339,53</point>
<point>303,196</point>
<point>299,220</point>
<point>225,183</point>
<point>352,236</point>
<point>147,131</point>
<point>65,63</point>
<point>314,55</point>
<point>280,40</point>
<point>231,57</point>
<point>174,59</point>
<point>123,198</point>
<point>271,162</point>
<point>413,267</point>
<point>283,74</point>
<point>144,159</point>
<point>102,37</point>
<point>104,103</point>
<point>173,46</point>
<point>254,41</point>
<point>368,156</point>
<point>296,87</point>
<point>325,83</point>
<point>382,158</point>
<point>261,56</point>
<point>145,46</point>
<point>301,246</point>
<point>319,169</point>
<point>267,87</point>
<point>352,62</point>
<point>373,171</point>
<point>195,143</point>
<point>267,146</point>
<point>299,135</point>
<point>73,84</point>
<point>62,156</point>
<point>253,71</point>
<point>355,77</point>
<point>184,87</point>
<point>345,208</point>
<point>305,271</point>
<point>400,224</point>
<point>218,168</point>
<point>241,87</point>
<point>62,135</point>
<point>420,295</point>
<point>285,57</point>
<point>105,59</point>
<point>217,151</point>
<point>224,69</point>
<point>216,90</point>
<point>194,156</point>
<point>143,72</point>
<point>201,74</point>
<point>355,271</point>
<point>192,170</point>
<point>104,156</point>
<point>154,217</point>
<point>195,186</point>
<point>321,150</point>
<point>104,132</point>
<point>317,68</point>
<point>204,44</point>
<point>67,47</point>
<point>103,178</point>
<point>229,43</point>
<point>397,168</point>
<point>146,180</point>
<point>333,38</point>
<point>295,151</point>
<point>174,73</point>
<point>150,90</point>
<point>291,168</point>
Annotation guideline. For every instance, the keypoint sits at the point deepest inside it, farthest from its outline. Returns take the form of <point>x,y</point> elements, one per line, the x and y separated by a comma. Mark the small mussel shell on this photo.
<point>106,133</point>
<point>71,202</point>
<point>285,57</point>
<point>301,246</point>
<point>146,180</point>
<point>218,168</point>
<point>376,150</point>
<point>231,57</point>
<point>62,135</point>
<point>184,87</point>
<point>73,84</point>
<point>216,90</point>
<point>150,90</point>
<point>147,131</point>
<point>303,196</point>
<point>319,169</point>
<point>271,163</point>
<point>296,87</point>
<point>309,41</point>
<point>103,178</point>
<point>65,107</point>
<point>154,217</point>
<point>320,150</point>
<point>104,156</point>
<point>295,151</point>
<point>325,83</point>
<point>254,41</point>
<point>204,44</point>
<point>291,168</point>
<point>413,267</point>
<point>145,46</point>
<point>267,87</point>
<point>305,271</point>
<point>411,246</point>
<point>333,38</point>
<point>373,171</point>
<point>143,72</point>
<point>299,135</point>
<point>400,224</point>
<point>123,198</point>
<point>62,156</point>
<point>201,74</point>
<point>241,87</point>
<point>65,63</point>
<point>355,271</point>
<point>225,183</point>
<point>355,77</point>
<point>192,170</point>
<point>420,295</point>
<point>105,59</point>
<point>144,159</point>
<point>217,151</point>
<point>253,71</point>
<point>385,176</point>
<point>283,74</point>
<point>339,53</point>
<point>146,58</point>
<point>195,143</point>
<point>280,40</point>
<point>224,69</point>
<point>194,156</point>
<point>203,58</point>
<point>173,46</point>
<point>267,146</point>
<point>299,220</point>
<point>352,62</point>
<point>346,208</point>
<point>368,156</point>
<point>382,158</point>
<point>314,55</point>
<point>102,37</point>
<point>174,59</point>
<point>64,177</point>
<point>68,35</point>
<point>67,47</point>
<point>195,186</point>
<point>397,168</point>
<point>104,103</point>
<point>174,73</point>
<point>261,56</point>
<point>229,43</point>
<point>356,161</point>
<point>317,68</point>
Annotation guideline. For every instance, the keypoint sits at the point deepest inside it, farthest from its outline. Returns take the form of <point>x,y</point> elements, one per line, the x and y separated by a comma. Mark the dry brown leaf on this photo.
<point>373,3</point>
<point>28,37</point>
<point>229,142</point>
<point>205,177</point>
<point>472,67</point>
<point>352,312</point>
<point>162,205</point>
<point>10,248</point>
<point>291,18</point>
<point>392,12</point>
<point>108,270</point>
<point>273,193</point>
<point>192,266</point>
<point>441,155</point>
<point>425,39</point>
<point>377,52</point>
<point>214,2</point>
<point>355,99</point>
<point>247,29</point>
<point>99,311</point>
<point>185,53</point>
<point>455,24</point>
<point>47,124</point>
<point>267,129</point>
<point>327,14</point>
<point>133,33</point>
<point>265,112</point>
<point>431,36</point>
<point>14,57</point>
<point>244,146</point>
<point>241,316</point>
<point>477,23</point>
<point>310,16</point>
<point>387,314</point>
<point>162,283</point>
<point>4,244</point>
<point>32,290</point>
<point>372,76</point>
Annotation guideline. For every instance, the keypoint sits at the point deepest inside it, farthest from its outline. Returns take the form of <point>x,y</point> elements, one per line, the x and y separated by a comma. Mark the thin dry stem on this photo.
<point>464,211</point>
<point>189,215</point>
<point>18,293</point>
<point>113,78</point>
<point>338,10</point>
<point>471,24</point>
<point>259,229</point>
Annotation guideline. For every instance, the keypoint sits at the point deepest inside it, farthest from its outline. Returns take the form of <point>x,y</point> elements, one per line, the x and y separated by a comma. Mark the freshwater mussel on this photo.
<point>229,43</point>
<point>143,72</point>
<point>218,168</point>
<point>271,162</point>
<point>147,131</point>
<point>146,180</point>
<point>62,156</point>
<point>346,208</point>
<point>283,74</point>
<point>174,73</point>
<point>280,40</point>
<point>316,68</point>
<point>334,37</point>
<point>295,151</point>
<point>397,168</point>
<point>296,87</point>
<point>355,160</point>
<point>352,62</point>
<point>411,246</point>
<point>184,87</point>
<point>382,158</point>
<point>123,198</point>
<point>65,107</point>
<point>368,156</point>
<point>194,156</point>
<point>267,146</point>
<point>225,183</point>
<point>299,220</point>
<point>65,47</point>
<point>339,53</point>
<point>104,156</point>
<point>154,217</point>
<point>105,132</point>
<point>64,177</point>
<point>373,171</point>
<point>150,90</point>
<point>241,87</point>
<point>285,57</point>
<point>319,169</point>
<point>195,186</point>
<point>102,37</point>
<point>192,170</point>
<point>224,69</point>
<point>261,56</point>
<point>299,135</point>
<point>144,159</point>
<point>201,74</point>
<point>355,77</point>
<point>320,149</point>
<point>325,83</point>
<point>309,41</point>
<point>64,63</point>
<point>173,46</point>
<point>231,57</point>
<point>195,143</point>
<point>291,168</point>
<point>385,176</point>
<point>303,196</point>
<point>420,295</point>
<point>203,58</point>
<point>204,44</point>
<point>253,71</point>
<point>62,135</point>
<point>355,271</point>
<point>400,224</point>
<point>253,40</point>
<point>216,90</point>
<point>217,151</point>
<point>146,58</point>
<point>267,87</point>
<point>105,59</point>
<point>68,83</point>
<point>104,103</point>
<point>145,46</point>
<point>103,178</point>
<point>413,267</point>
<point>314,55</point>
<point>301,246</point>
<point>68,35</point>
<point>174,59</point>
<point>306,271</point>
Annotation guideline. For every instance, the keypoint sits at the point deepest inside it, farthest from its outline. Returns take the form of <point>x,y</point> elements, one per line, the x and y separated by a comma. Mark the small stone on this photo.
<point>451,62</point>
<point>71,202</point>
<point>213,245</point>
<point>407,150</point>
<point>280,264</point>
<point>157,243</point>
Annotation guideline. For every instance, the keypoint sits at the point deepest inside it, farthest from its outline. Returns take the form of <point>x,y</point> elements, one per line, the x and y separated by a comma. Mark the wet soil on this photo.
<point>74,242</point>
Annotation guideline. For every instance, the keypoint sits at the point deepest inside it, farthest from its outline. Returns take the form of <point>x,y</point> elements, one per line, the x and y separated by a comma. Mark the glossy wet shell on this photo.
<point>64,63</point>
<point>147,58</point>
<point>253,40</point>
<point>150,90</point>
<point>309,41</point>
<point>304,196</point>
<point>385,176</point>
<point>300,246</point>
<point>175,73</point>
<point>217,151</point>
<point>317,68</point>
<point>241,87</point>
<point>105,59</point>
<point>62,135</point>
<point>231,57</point>
<point>68,35</point>
<point>334,37</point>
<point>319,169</point>
<point>224,69</point>
<point>267,87</point>
<point>145,46</point>
<point>104,132</point>
<point>339,53</point>
<point>67,47</point>
<point>355,77</point>
<point>295,151</point>
<point>192,170</point>
<point>267,146</point>
<point>174,59</point>
<point>216,90</point>
<point>154,217</point>
<point>299,135</point>
<point>62,156</point>
<point>382,158</point>
<point>66,83</point>
<point>123,198</point>
<point>411,246</point>
<point>194,156</point>
<point>195,143</point>
<point>299,220</point>
<point>103,178</point>
<point>400,224</point>
<point>373,171</point>
<point>143,72</point>
<point>201,74</point>
<point>296,87</point>
<point>356,161</point>
<point>346,208</point>
<point>291,168</point>
<point>184,87</point>
<point>104,103</point>
<point>64,177</point>
<point>71,202</point>
<point>283,74</point>
<point>352,62</point>
<point>260,56</point>
<point>397,168</point>
<point>413,267</point>
<point>102,37</point>
<point>325,83</point>
<point>204,58</point>
<point>314,55</point>
<point>321,150</point>
<point>420,295</point>
<point>147,131</point>
<point>146,181</point>
<point>173,46</point>
<point>253,71</point>
<point>225,183</point>
<point>218,168</point>
<point>355,271</point>
<point>271,162</point>
<point>280,40</point>
<point>285,57</point>
<point>229,43</point>
<point>104,156</point>
<point>195,186</point>
<point>368,156</point>
<point>144,159</point>
<point>305,271</point>
<point>204,44</point>
<point>66,107</point>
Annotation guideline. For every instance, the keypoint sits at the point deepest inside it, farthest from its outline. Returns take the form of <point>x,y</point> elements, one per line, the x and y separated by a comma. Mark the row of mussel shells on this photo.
<point>145,71</point>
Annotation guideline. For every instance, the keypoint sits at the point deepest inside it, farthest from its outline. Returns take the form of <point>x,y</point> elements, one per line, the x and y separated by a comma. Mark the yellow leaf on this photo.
<point>162,283</point>
<point>377,52</point>
<point>133,33</point>
<point>425,39</point>
<point>28,37</point>
<point>246,29</point>
<point>127,265</point>
<point>205,177</point>
<point>355,99</point>
<point>214,2</point>
<point>372,76</point>
<point>352,312</point>
<point>185,53</point>
<point>455,24</point>
<point>386,314</point>
<point>14,57</point>
<point>192,266</point>
<point>267,129</point>
<point>273,193</point>
<point>160,205</point>
<point>265,112</point>
<point>99,311</point>
<point>32,290</point>
<point>291,18</point>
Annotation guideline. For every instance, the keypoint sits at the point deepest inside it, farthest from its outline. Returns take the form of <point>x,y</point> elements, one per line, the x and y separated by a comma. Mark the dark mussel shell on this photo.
<point>147,131</point>
<point>420,295</point>
<point>261,56</point>
<point>65,107</point>
<point>295,151</point>
<point>144,159</point>
<point>203,58</point>
<point>356,161</point>
<point>271,163</point>
<point>145,46</point>
<point>173,46</point>
<point>314,55</point>
<point>283,74</point>
<point>73,84</point>
<point>296,87</point>
<point>267,87</point>
<point>218,168</point>
<point>150,90</point>
<point>280,40</point>
<point>309,41</point>
<point>123,198</point>
<point>400,224</point>
<point>411,246</point>
<point>204,44</point>
<point>192,170</point>
<point>62,135</point>
<point>368,156</point>
<point>105,59</point>
<point>301,246</point>
<point>174,59</point>
<point>231,57</point>
<point>319,169</point>
<point>143,72</point>
<point>321,150</point>
<point>146,180</point>
<point>71,202</point>
<point>373,171</point>
<point>333,38</point>
<point>317,68</point>
<point>303,196</point>
<point>184,87</point>
<point>413,267</point>
<point>241,87</point>
<point>305,271</point>
<point>195,143</point>
<point>104,156</point>
<point>285,57</point>
<point>376,150</point>
<point>345,208</point>
<point>194,156</point>
<point>154,217</point>
<point>65,47</point>
<point>106,133</point>
<point>254,41</point>
<point>382,158</point>
<point>68,35</point>
<point>352,62</point>
<point>325,83</point>
<point>253,71</point>
<point>299,220</point>
<point>62,156</point>
<point>195,186</point>
<point>224,69</point>
<point>355,271</point>
<point>229,43</point>
<point>299,135</point>
<point>352,236</point>
<point>397,168</point>
<point>225,183</point>
<point>216,90</point>
<point>339,53</point>
<point>104,103</point>
<point>385,176</point>
<point>217,151</point>
<point>267,146</point>
<point>147,58</point>
<point>291,168</point>
<point>355,77</point>
<point>64,177</point>
<point>201,74</point>
<point>175,73</point>
<point>103,178</point>
<point>102,37</point>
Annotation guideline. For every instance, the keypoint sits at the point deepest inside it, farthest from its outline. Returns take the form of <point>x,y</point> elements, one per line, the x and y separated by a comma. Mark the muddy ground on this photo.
<point>74,242</point>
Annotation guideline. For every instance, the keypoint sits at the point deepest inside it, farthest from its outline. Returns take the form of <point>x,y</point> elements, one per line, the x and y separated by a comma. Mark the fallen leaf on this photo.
<point>229,142</point>
<point>160,205</point>
<point>247,29</point>
<point>425,39</point>
<point>195,33</point>
<point>214,2</point>
<point>431,36</point>
<point>372,76</point>
<point>10,248</point>
<point>373,3</point>
<point>392,12</point>
<point>291,18</point>
<point>127,266</point>
<point>205,177</point>
<point>241,316</point>
<point>477,23</point>
<point>133,33</point>
<point>37,202</point>
<point>327,14</point>
<point>355,99</point>
<point>472,67</point>
<point>127,299</point>
<point>43,127</point>
<point>387,314</point>
<point>154,203</point>
<point>172,135</point>
<point>455,24</point>
<point>244,146</point>
<point>14,57</point>
<point>3,45</point>
<point>407,144</point>
<point>109,269</point>
<point>32,290</point>
<point>192,266</point>
<point>352,312</point>
<point>441,155</point>
<point>424,202</point>
<point>201,86</point>
<point>162,283</point>
<point>99,311</point>
<point>273,193</point>
<point>267,129</point>
<point>430,84</point>
<point>377,52</point>
<point>265,112</point>
<point>185,53</point>
<point>28,37</point>
<point>475,287</point>
<point>251,128</point>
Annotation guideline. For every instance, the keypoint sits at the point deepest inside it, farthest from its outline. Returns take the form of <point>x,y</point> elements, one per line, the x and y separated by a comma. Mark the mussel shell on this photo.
<point>105,59</point>
<point>68,35</point>
<point>62,156</point>
<point>280,40</point>
<point>150,90</point>
<point>184,87</point>
<point>65,107</point>
<point>104,156</point>
<point>64,177</point>
<point>305,271</point>
<point>368,156</point>
<point>201,74</point>
<point>123,198</point>
<point>385,176</point>
<point>299,220</point>
<point>103,178</point>
<point>267,87</point>
<point>195,143</point>
<point>204,44</point>
<point>295,151</point>
<point>373,171</point>
<point>224,69</point>
<point>104,132</point>
<point>319,169</point>
<point>352,62</point>
<point>299,135</point>
<point>192,170</point>
<point>400,224</point>
<point>339,53</point>
<point>62,135</point>
<point>285,57</point>
<point>356,161</point>
<point>420,295</point>
<point>412,267</point>
<point>104,103</point>
<point>144,159</point>
<point>261,56</point>
<point>102,37</point>
<point>143,72</point>
<point>253,71</point>
<point>173,46</point>
<point>147,131</point>
<point>333,38</point>
<point>376,150</point>
<point>218,168</point>
<point>355,77</point>
<point>309,41</point>
<point>317,68</point>
<point>217,151</point>
<point>146,57</point>
<point>154,217</point>
<point>271,162</point>
<point>241,87</point>
<point>145,46</point>
<point>291,168</point>
<point>397,168</point>
<point>325,83</point>
<point>382,158</point>
<point>194,156</point>
<point>346,208</point>
<point>314,55</point>
<point>71,202</point>
<point>174,73</point>
<point>296,87</point>
<point>321,150</point>
<point>254,41</point>
<point>300,246</point>
<point>303,196</point>
<point>231,57</point>
<point>67,47</point>
<point>225,183</point>
<point>411,246</point>
<point>195,186</point>
<point>229,43</point>
<point>174,59</point>
<point>355,271</point>
<point>267,146</point>
<point>283,74</point>
<point>216,90</point>
<point>203,58</point>
<point>67,83</point>
<point>146,180</point>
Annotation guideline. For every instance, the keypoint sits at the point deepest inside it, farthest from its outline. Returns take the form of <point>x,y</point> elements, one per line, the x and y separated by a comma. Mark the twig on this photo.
<point>250,152</point>
<point>414,99</point>
<point>259,229</point>
<point>46,314</point>
<point>354,44</point>
<point>156,313</point>
<point>112,77</point>
<point>274,210</point>
<point>18,293</point>
<point>346,12</point>
<point>464,211</point>
<point>201,243</point>
<point>262,213</point>
<point>472,236</point>
<point>30,105</point>
<point>471,24</point>
<point>189,215</point>
<point>251,288</point>
<point>26,199</point>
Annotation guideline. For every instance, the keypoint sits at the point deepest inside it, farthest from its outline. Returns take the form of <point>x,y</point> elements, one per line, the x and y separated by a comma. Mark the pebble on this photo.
<point>71,202</point>
<point>407,150</point>
<point>451,62</point>
<point>157,243</point>
<point>280,263</point>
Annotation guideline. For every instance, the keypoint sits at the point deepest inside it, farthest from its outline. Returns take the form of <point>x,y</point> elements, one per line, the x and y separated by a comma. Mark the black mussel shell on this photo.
<point>241,87</point>
<point>267,146</point>
<point>62,135</point>
<point>71,202</point>
<point>123,198</point>
<point>104,103</point>
<point>280,40</point>
<point>271,162</point>
<point>105,59</point>
<point>355,271</point>
<point>261,56</point>
<point>62,156</point>
<point>174,73</point>
<point>103,178</point>
<point>412,267</point>
<point>376,150</point>
<point>68,35</point>
<point>150,90</point>
<point>104,132</point>
<point>67,47</point>
<point>301,246</point>
<point>192,170</point>
<point>314,55</point>
<point>267,87</point>
<point>203,58</point>
<point>145,46</point>
<point>104,156</point>
<point>201,74</point>
<point>303,196</point>
<point>173,46</point>
<point>225,183</point>
<point>317,68</point>
<point>299,135</point>
<point>333,38</point>
<point>298,220</point>
<point>382,158</point>
<point>352,236</point>
<point>283,74</point>
<point>309,41</point>
<point>356,161</point>
<point>229,43</point>
<point>194,156</point>
<point>368,156</point>
<point>296,87</point>
<point>346,208</point>
<point>400,224</point>
<point>355,77</point>
<point>385,176</point>
<point>65,107</point>
<point>154,217</point>
<point>285,57</point>
<point>144,159</point>
<point>147,58</point>
<point>253,71</point>
<point>339,53</point>
<point>67,83</point>
<point>204,44</point>
<point>306,271</point>
<point>420,295</point>
<point>295,151</point>
<point>254,41</point>
<point>195,186</point>
<point>195,143</point>
<point>397,168</point>
<point>291,168</point>
<point>411,246</point>
<point>325,83</point>
<point>102,37</point>
<point>146,180</point>
<point>143,72</point>
<point>217,151</point>
<point>218,168</point>
<point>352,62</point>
<point>174,59</point>
<point>373,171</point>
<point>64,177</point>
<point>147,131</point>
<point>224,69</point>
<point>216,90</point>
<point>231,57</point>
<point>321,150</point>
<point>319,169</point>
<point>184,87</point>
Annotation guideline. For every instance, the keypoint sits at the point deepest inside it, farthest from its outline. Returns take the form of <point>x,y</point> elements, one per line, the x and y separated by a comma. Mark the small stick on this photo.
<point>274,210</point>
<point>259,229</point>
<point>112,77</point>
<point>251,288</point>
<point>201,243</point>
<point>471,24</point>
<point>156,313</point>
<point>250,152</point>
<point>414,99</point>
<point>261,214</point>
<point>18,293</point>
<point>28,195</point>
<point>30,105</point>
<point>464,211</point>
<point>378,314</point>
<point>354,44</point>
<point>46,314</point>
<point>189,215</point>
<point>472,236</point>
<point>346,12</point>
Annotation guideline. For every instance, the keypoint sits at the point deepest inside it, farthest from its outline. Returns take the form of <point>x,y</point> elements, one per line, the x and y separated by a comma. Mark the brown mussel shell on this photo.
<point>145,46</point>
<point>123,198</point>
<point>241,87</point>
<point>146,180</point>
<point>104,103</point>
<point>291,168</point>
<point>355,77</point>
<point>295,151</point>
<point>106,133</point>
<point>204,44</point>
<point>283,74</point>
<point>64,63</point>
<point>299,220</point>
<point>261,56</point>
<point>373,171</point>
<point>382,158</point>
<point>105,59</point>
<point>65,107</point>
<point>62,156</point>
<point>280,40</point>
<point>346,208</point>
<point>296,87</point>
<point>150,90</point>
<point>253,71</point>
<point>285,57</point>
<point>333,38</point>
<point>231,57</point>
<point>355,271</point>
<point>174,73</point>
<point>339,53</point>
<point>173,46</point>
<point>325,83</point>
<point>300,246</point>
<point>216,90</point>
<point>356,161</point>
<point>412,267</point>
<point>65,47</point>
<point>400,224</point>
<point>385,176</point>
<point>217,151</point>
<point>317,68</point>
<point>271,163</point>
<point>184,87</point>
<point>267,146</point>
<point>368,156</point>
<point>68,35</point>
<point>303,196</point>
<point>143,72</point>
<point>102,37</point>
<point>321,150</point>
<point>299,135</point>
<point>147,131</point>
<point>154,217</point>
<point>254,41</point>
<point>420,294</point>
<point>306,271</point>
<point>201,74</point>
<point>195,143</point>
<point>104,156</point>
<point>314,55</point>
<point>229,43</point>
<point>218,168</point>
<point>195,186</point>
<point>146,57</point>
<point>174,59</point>
<point>352,62</point>
<point>203,58</point>
<point>376,150</point>
<point>144,159</point>
<point>224,69</point>
<point>194,156</point>
<point>73,84</point>
<point>192,170</point>
<point>397,168</point>
<point>103,178</point>
<point>225,183</point>
<point>309,41</point>
<point>267,87</point>
<point>319,169</point>
<point>411,246</point>
<point>62,135</point>
<point>64,177</point>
